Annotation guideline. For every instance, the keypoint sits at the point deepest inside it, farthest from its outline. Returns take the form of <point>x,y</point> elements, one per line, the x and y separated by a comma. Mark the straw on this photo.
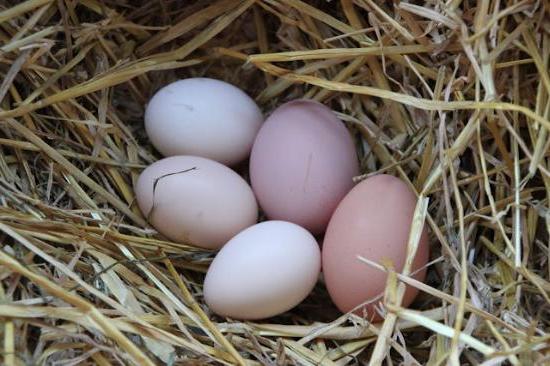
<point>452,97</point>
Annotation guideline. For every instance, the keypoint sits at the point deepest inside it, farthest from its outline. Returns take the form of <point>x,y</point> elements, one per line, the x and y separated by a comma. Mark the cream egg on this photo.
<point>263,271</point>
<point>302,164</point>
<point>203,117</point>
<point>195,200</point>
<point>373,221</point>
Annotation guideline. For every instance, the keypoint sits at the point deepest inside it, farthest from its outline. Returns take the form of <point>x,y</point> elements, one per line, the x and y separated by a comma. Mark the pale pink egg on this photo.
<point>263,271</point>
<point>195,200</point>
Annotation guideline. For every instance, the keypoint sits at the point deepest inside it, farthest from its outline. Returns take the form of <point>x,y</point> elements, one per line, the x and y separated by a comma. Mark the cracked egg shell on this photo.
<point>197,201</point>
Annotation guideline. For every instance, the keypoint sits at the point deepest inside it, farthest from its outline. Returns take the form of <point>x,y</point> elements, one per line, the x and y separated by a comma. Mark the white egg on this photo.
<point>203,117</point>
<point>195,200</point>
<point>263,271</point>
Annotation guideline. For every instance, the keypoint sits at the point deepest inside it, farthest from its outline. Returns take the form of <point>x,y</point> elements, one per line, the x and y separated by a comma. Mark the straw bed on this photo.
<point>451,96</point>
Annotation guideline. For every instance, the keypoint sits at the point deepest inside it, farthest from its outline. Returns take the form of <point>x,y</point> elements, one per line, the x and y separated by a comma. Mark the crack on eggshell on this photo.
<point>155,183</point>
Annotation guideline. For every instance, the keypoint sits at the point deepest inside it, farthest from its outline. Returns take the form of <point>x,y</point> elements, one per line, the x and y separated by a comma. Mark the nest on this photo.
<point>451,96</point>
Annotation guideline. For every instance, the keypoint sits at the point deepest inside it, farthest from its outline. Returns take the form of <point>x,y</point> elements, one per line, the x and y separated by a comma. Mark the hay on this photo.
<point>453,97</point>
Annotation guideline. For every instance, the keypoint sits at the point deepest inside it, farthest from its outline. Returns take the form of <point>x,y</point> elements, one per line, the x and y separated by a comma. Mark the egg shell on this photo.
<point>264,271</point>
<point>203,117</point>
<point>196,200</point>
<point>302,164</point>
<point>372,221</point>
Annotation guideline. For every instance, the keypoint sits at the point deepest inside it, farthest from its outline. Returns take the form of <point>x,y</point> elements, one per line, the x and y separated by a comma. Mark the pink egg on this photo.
<point>302,164</point>
<point>373,221</point>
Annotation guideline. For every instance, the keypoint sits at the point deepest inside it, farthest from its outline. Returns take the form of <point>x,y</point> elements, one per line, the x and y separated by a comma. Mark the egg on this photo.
<point>263,271</point>
<point>302,164</point>
<point>203,117</point>
<point>195,200</point>
<point>373,221</point>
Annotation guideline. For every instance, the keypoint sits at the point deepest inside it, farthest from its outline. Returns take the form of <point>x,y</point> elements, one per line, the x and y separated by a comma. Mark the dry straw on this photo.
<point>451,96</point>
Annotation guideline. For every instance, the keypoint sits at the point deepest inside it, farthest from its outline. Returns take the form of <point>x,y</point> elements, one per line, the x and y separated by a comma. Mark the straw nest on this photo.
<point>451,96</point>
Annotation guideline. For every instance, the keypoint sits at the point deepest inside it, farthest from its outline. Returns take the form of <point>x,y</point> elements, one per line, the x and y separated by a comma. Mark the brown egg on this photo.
<point>373,221</point>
